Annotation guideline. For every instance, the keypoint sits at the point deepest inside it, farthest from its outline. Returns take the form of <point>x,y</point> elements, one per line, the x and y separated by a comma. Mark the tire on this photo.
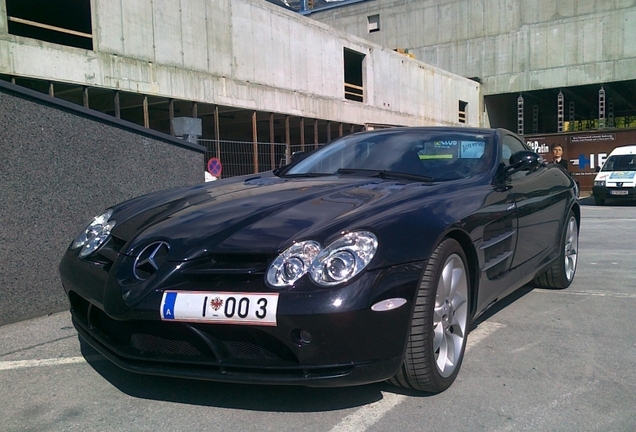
<point>599,201</point>
<point>439,326</point>
<point>561,274</point>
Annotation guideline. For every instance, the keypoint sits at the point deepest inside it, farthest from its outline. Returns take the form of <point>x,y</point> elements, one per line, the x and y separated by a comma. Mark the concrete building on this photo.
<point>250,70</point>
<point>573,62</point>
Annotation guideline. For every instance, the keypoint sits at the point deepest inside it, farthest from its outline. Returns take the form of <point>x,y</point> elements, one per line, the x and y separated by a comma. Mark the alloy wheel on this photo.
<point>450,315</point>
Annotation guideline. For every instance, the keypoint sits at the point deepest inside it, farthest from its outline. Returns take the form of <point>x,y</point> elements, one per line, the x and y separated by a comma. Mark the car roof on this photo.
<point>625,150</point>
<point>448,129</point>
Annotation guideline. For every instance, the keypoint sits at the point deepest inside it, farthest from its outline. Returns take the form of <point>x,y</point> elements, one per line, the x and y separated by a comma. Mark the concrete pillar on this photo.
<point>189,128</point>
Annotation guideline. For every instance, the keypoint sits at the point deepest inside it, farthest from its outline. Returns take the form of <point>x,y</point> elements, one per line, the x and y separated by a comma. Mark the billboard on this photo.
<point>584,151</point>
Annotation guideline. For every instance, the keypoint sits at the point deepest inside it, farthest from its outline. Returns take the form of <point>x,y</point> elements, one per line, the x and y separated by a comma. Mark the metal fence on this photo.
<point>241,158</point>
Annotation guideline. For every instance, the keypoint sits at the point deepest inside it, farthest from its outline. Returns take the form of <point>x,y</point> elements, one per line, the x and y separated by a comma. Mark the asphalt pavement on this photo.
<point>543,360</point>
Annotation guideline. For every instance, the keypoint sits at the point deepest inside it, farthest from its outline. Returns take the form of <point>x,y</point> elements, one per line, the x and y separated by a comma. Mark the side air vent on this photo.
<point>498,245</point>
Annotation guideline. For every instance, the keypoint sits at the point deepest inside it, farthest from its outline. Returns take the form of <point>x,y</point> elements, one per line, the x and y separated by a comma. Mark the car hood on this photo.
<point>264,214</point>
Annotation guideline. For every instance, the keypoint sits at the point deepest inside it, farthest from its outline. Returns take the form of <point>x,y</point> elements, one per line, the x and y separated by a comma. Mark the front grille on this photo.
<point>230,264</point>
<point>248,351</point>
<point>182,342</point>
<point>146,343</point>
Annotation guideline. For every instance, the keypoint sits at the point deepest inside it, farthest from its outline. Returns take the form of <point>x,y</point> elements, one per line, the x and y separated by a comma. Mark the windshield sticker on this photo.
<point>435,156</point>
<point>472,149</point>
<point>622,175</point>
<point>445,144</point>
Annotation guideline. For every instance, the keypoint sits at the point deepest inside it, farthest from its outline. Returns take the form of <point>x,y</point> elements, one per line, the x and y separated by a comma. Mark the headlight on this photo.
<point>599,183</point>
<point>292,263</point>
<point>337,263</point>
<point>95,234</point>
<point>344,258</point>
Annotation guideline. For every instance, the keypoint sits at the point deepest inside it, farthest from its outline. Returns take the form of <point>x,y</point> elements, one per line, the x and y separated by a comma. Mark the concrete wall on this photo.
<point>61,165</point>
<point>511,45</point>
<point>244,53</point>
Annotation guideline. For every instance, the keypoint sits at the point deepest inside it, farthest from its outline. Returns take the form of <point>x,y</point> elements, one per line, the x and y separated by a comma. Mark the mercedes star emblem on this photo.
<point>150,259</point>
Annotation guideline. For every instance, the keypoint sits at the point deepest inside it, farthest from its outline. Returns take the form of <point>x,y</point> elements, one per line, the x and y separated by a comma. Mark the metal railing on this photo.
<point>242,158</point>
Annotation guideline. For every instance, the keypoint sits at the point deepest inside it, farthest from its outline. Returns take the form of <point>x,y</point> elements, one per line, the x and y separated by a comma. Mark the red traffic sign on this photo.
<point>215,167</point>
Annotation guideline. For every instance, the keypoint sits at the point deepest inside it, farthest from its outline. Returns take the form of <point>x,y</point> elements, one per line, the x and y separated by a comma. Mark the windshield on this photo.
<point>431,155</point>
<point>620,163</point>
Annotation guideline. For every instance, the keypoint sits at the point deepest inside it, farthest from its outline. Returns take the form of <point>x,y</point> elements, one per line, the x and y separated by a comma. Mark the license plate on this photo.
<point>219,307</point>
<point>619,192</point>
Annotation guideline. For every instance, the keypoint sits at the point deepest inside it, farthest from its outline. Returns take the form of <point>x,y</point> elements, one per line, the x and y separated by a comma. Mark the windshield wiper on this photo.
<point>309,174</point>
<point>383,174</point>
<point>366,172</point>
<point>404,176</point>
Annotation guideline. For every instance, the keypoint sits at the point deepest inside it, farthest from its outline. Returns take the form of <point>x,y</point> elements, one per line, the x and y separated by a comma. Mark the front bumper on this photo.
<point>350,344</point>
<point>605,192</point>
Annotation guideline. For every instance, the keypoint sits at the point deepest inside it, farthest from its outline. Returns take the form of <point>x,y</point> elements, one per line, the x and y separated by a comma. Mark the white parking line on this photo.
<point>589,293</point>
<point>484,330</point>
<point>358,421</point>
<point>363,418</point>
<point>21,364</point>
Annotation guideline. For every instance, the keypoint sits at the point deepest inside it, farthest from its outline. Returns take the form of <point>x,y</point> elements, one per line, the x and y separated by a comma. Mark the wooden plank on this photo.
<point>287,141</point>
<point>353,86</point>
<point>217,132</point>
<point>272,147</point>
<point>254,142</point>
<point>49,27</point>
<point>302,134</point>
<point>146,114</point>
<point>171,115</point>
<point>117,105</point>
<point>85,97</point>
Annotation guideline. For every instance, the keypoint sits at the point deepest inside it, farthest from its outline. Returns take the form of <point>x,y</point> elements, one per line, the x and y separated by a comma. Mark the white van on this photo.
<point>617,177</point>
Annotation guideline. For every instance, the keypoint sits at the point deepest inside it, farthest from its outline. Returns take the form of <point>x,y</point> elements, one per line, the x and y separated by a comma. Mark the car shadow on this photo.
<point>502,304</point>
<point>614,202</point>
<point>239,396</point>
<point>587,201</point>
<point>259,397</point>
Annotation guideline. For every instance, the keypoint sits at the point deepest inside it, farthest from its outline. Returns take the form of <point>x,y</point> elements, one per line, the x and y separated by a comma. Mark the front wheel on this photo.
<point>561,274</point>
<point>599,201</point>
<point>439,326</point>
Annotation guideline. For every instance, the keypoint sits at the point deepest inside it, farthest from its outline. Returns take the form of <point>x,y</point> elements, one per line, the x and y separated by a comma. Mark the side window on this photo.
<point>510,146</point>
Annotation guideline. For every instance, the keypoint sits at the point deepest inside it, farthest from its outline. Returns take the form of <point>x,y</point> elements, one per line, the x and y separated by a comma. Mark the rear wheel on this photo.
<point>439,325</point>
<point>561,274</point>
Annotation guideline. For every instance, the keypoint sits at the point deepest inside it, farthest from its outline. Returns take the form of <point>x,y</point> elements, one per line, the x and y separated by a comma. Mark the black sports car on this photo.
<point>364,261</point>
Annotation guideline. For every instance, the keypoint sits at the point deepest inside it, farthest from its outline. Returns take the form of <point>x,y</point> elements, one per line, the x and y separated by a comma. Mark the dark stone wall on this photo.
<point>61,165</point>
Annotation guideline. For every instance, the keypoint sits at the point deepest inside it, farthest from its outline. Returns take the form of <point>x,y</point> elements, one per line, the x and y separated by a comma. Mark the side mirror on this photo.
<point>597,169</point>
<point>523,161</point>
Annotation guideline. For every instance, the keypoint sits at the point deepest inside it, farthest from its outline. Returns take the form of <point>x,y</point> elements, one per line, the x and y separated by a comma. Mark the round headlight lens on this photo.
<point>94,235</point>
<point>344,258</point>
<point>340,265</point>
<point>292,263</point>
<point>293,268</point>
